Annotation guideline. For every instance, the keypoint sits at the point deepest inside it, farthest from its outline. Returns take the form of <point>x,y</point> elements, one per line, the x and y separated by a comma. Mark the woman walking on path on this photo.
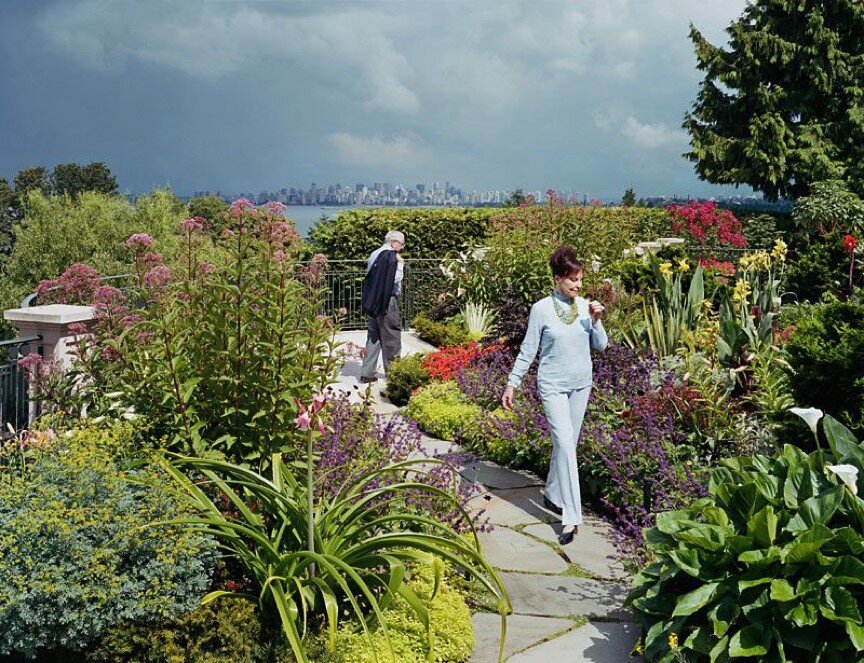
<point>565,327</point>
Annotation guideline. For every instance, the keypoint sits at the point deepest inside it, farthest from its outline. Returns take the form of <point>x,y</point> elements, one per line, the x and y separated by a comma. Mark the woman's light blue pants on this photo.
<point>565,412</point>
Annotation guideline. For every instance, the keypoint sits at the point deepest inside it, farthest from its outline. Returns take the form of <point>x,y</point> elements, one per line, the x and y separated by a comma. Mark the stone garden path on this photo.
<point>567,601</point>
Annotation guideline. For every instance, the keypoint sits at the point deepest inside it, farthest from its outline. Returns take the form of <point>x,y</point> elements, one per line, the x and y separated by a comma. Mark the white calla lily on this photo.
<point>848,475</point>
<point>810,415</point>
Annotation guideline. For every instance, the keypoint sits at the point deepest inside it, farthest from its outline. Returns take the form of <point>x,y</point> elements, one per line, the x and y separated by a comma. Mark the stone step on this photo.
<point>522,631</point>
<point>595,642</point>
<point>565,596</point>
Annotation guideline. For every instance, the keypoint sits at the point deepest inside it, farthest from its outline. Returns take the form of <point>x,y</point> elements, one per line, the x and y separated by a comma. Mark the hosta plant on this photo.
<point>313,560</point>
<point>767,566</point>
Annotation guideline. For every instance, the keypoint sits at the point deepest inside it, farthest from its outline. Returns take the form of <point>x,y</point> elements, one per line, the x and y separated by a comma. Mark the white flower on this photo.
<point>811,415</point>
<point>639,251</point>
<point>848,474</point>
<point>446,272</point>
<point>479,254</point>
<point>595,266</point>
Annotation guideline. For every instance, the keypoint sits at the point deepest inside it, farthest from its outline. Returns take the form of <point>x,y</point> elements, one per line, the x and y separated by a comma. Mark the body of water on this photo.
<point>306,216</point>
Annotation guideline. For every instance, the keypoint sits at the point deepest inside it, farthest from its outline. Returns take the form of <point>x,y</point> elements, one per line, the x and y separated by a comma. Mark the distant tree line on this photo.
<point>69,179</point>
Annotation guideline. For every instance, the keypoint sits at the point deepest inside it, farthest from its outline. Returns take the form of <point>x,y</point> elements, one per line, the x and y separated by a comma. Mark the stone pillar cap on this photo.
<point>50,314</point>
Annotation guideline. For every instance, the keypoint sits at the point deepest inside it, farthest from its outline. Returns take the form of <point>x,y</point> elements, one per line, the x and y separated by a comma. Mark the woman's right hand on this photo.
<point>507,399</point>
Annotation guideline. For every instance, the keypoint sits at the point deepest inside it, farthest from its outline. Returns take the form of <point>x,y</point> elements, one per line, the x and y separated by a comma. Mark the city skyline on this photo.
<point>250,94</point>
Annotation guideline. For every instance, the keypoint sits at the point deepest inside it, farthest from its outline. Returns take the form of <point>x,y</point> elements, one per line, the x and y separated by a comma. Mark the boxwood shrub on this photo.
<point>404,376</point>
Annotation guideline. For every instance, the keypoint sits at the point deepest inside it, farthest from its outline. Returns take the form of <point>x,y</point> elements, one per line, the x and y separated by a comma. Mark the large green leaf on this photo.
<point>856,635</point>
<point>695,600</point>
<point>723,614</point>
<point>818,509</point>
<point>806,545</point>
<point>763,526</point>
<point>842,442</point>
<point>707,537</point>
<point>838,604</point>
<point>847,570</point>
<point>750,641</point>
<point>798,486</point>
<point>781,590</point>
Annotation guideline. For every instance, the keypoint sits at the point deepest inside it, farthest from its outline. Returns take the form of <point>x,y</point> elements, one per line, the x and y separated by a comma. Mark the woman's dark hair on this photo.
<point>564,262</point>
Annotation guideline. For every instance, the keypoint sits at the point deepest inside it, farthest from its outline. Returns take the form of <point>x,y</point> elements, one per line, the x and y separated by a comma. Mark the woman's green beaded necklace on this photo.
<point>567,316</point>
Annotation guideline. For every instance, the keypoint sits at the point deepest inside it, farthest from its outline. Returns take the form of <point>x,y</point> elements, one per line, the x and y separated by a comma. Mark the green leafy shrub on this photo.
<point>830,207</point>
<point>440,334</point>
<point>217,632</point>
<point>405,375</point>
<point>59,231</point>
<point>218,353</point>
<point>820,268</point>
<point>429,233</point>
<point>768,565</point>
<point>449,619</point>
<point>825,351</point>
<point>441,409</point>
<point>79,554</point>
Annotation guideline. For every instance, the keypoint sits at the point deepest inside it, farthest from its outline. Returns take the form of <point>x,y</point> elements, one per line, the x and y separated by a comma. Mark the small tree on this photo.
<point>830,207</point>
<point>629,197</point>
<point>516,199</point>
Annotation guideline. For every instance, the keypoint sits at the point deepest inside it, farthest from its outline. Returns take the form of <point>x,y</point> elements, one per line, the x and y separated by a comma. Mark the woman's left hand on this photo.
<point>596,309</point>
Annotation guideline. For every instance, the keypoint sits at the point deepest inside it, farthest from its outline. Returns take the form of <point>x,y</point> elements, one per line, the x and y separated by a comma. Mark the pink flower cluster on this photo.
<point>192,224</point>
<point>139,241</point>
<point>705,224</point>
<point>720,266</point>
<point>307,416</point>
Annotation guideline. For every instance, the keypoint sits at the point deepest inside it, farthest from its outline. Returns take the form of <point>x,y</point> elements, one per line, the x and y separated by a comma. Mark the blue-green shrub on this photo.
<point>78,553</point>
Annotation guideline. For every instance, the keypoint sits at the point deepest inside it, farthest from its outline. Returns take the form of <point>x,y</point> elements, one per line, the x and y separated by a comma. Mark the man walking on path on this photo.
<point>381,290</point>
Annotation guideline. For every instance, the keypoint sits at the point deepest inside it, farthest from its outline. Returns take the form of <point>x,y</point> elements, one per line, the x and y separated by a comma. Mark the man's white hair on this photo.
<point>394,236</point>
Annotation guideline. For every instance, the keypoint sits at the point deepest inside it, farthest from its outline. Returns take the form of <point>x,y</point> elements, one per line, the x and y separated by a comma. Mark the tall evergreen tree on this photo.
<point>629,197</point>
<point>782,106</point>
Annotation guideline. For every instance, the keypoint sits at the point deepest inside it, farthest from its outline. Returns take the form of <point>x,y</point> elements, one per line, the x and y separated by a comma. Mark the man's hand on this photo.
<point>507,399</point>
<point>596,309</point>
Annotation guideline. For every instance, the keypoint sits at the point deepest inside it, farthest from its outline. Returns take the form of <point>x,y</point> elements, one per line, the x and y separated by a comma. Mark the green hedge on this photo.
<point>429,233</point>
<point>441,410</point>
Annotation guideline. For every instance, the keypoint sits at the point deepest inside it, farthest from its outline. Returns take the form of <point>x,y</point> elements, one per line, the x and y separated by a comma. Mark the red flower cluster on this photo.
<point>706,224</point>
<point>446,362</point>
<point>849,244</point>
<point>720,266</point>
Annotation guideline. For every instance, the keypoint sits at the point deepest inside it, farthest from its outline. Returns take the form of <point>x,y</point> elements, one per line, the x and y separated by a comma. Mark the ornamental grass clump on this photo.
<point>767,565</point>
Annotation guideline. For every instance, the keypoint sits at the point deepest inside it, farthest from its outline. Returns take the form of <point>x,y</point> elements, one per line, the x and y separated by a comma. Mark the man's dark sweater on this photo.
<point>379,283</point>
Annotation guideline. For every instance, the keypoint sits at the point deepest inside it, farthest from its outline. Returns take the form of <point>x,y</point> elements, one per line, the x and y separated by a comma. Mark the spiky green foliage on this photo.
<point>783,106</point>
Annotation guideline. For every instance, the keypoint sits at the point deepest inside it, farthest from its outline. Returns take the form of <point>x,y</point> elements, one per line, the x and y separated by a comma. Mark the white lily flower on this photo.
<point>595,266</point>
<point>848,475</point>
<point>810,415</point>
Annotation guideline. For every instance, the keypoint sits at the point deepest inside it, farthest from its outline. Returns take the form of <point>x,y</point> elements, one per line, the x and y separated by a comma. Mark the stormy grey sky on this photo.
<point>239,95</point>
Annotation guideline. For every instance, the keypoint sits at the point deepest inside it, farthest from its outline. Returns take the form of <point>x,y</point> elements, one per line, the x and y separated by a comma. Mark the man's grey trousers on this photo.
<point>384,336</point>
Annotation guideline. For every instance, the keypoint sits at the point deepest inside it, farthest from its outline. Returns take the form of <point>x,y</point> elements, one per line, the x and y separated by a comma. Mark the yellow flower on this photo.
<point>779,250</point>
<point>683,266</point>
<point>741,291</point>
<point>673,641</point>
<point>665,268</point>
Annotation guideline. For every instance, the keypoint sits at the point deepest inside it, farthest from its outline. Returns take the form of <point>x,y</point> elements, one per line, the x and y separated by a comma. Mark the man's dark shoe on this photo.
<point>566,537</point>
<point>552,506</point>
<point>365,380</point>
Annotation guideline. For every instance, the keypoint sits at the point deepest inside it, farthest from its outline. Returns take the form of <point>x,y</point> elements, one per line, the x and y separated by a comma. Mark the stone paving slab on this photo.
<point>507,549</point>
<point>522,631</point>
<point>517,506</point>
<point>492,475</point>
<point>565,596</point>
<point>591,549</point>
<point>597,642</point>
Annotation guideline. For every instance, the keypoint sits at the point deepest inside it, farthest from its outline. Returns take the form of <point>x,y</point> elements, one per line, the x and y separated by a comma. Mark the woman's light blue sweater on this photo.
<point>565,350</point>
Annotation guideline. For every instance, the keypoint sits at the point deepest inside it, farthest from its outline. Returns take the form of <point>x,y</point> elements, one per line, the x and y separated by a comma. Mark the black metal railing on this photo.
<point>422,283</point>
<point>16,408</point>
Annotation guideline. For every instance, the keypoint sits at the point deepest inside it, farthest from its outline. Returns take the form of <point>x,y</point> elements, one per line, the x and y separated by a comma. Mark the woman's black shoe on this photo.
<point>566,537</point>
<point>552,506</point>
